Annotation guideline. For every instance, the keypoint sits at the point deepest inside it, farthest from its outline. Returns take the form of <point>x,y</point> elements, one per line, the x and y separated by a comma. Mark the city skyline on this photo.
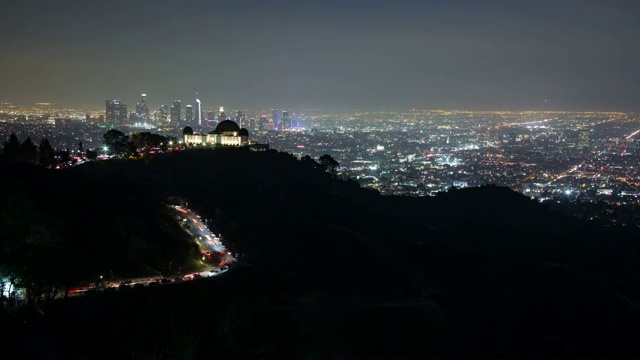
<point>568,55</point>
<point>560,156</point>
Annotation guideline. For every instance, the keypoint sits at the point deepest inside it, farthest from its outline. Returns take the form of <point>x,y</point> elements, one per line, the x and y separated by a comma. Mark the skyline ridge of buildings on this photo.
<point>116,113</point>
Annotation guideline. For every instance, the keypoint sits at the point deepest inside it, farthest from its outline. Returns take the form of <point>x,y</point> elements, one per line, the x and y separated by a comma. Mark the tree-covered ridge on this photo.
<point>28,152</point>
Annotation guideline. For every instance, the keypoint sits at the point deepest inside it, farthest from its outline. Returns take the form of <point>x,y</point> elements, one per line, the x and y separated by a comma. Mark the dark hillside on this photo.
<point>330,269</point>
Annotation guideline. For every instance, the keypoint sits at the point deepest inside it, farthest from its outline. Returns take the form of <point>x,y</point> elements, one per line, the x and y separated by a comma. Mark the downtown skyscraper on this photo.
<point>199,109</point>
<point>162,114</point>
<point>188,114</point>
<point>277,120</point>
<point>142,109</point>
<point>115,112</point>
<point>176,110</point>
<point>241,119</point>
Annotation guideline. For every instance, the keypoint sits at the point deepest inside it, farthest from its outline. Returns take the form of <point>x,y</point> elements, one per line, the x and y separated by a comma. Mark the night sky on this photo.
<point>557,55</point>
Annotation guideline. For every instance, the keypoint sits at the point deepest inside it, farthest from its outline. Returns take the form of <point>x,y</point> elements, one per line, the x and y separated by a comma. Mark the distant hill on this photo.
<point>328,268</point>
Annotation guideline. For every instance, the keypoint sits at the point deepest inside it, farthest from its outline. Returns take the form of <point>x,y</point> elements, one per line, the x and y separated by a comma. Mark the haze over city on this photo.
<point>488,55</point>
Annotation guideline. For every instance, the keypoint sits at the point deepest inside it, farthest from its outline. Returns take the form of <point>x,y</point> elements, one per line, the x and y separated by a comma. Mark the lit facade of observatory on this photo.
<point>227,133</point>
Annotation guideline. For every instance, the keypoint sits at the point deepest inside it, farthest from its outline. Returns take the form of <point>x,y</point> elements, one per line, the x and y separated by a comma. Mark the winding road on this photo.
<point>215,256</point>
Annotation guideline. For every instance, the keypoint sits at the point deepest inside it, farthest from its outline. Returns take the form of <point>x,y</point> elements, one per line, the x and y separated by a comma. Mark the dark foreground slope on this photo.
<point>329,269</point>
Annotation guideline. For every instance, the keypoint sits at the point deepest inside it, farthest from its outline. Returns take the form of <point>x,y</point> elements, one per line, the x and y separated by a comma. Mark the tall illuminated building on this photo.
<point>172,112</point>
<point>162,113</point>
<point>115,112</point>
<point>222,116</point>
<point>110,110</point>
<point>263,123</point>
<point>199,108</point>
<point>294,121</point>
<point>241,119</point>
<point>176,110</point>
<point>286,123</point>
<point>142,109</point>
<point>276,119</point>
<point>188,114</point>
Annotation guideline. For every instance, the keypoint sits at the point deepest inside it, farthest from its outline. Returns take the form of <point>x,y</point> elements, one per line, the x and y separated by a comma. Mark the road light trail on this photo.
<point>564,174</point>
<point>633,134</point>
<point>208,243</point>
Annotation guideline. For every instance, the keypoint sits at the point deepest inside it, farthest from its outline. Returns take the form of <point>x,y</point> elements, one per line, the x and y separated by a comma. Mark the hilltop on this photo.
<point>326,268</point>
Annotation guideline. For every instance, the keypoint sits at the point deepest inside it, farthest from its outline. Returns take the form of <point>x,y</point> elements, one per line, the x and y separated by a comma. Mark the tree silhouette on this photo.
<point>309,160</point>
<point>45,153</point>
<point>92,155</point>
<point>29,151</point>
<point>148,140</point>
<point>328,163</point>
<point>116,141</point>
<point>11,148</point>
<point>64,155</point>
